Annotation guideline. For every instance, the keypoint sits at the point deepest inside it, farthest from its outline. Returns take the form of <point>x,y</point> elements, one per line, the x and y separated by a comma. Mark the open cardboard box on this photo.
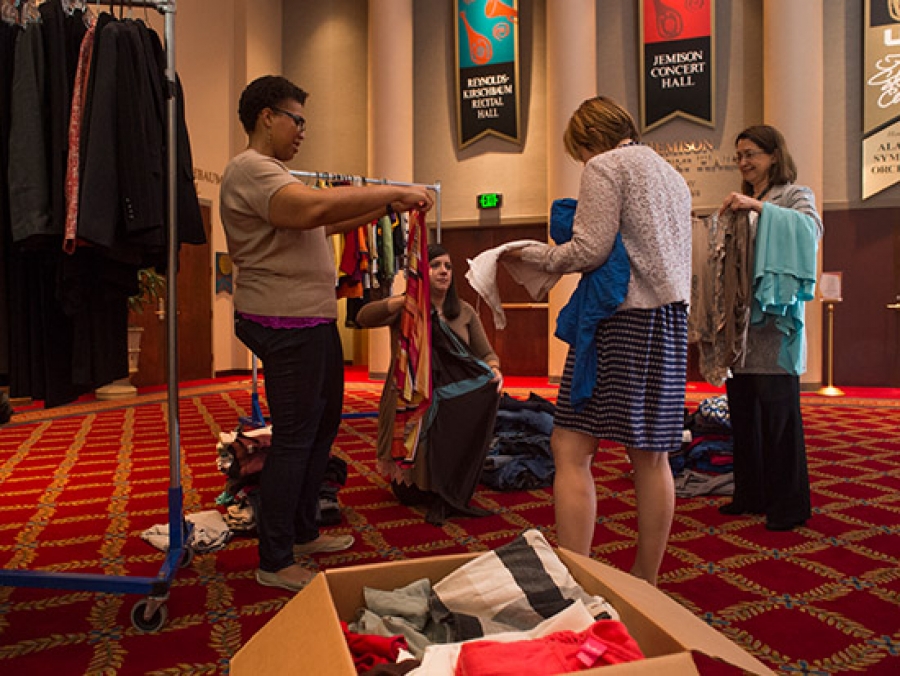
<point>305,637</point>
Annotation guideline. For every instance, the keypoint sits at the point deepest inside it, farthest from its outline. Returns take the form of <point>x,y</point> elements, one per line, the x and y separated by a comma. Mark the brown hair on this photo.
<point>769,139</point>
<point>598,125</point>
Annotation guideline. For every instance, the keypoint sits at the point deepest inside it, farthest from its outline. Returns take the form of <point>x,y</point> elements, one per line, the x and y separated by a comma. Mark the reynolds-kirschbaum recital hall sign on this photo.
<point>881,97</point>
<point>676,61</point>
<point>487,73</point>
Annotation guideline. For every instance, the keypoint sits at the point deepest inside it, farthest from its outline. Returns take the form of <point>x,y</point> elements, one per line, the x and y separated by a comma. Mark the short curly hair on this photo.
<point>265,92</point>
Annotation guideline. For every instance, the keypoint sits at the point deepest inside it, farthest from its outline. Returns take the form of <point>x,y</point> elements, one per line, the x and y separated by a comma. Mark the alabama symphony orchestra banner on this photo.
<point>881,97</point>
<point>676,61</point>
<point>487,73</point>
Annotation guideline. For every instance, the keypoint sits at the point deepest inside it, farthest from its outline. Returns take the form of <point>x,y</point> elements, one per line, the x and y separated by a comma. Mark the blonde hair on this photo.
<point>598,125</point>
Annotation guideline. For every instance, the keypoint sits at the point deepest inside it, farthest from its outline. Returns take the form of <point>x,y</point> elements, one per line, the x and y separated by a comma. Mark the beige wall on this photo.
<point>325,54</point>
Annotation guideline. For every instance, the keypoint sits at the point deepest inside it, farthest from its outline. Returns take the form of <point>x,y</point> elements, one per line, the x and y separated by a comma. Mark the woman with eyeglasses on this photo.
<point>770,470</point>
<point>285,306</point>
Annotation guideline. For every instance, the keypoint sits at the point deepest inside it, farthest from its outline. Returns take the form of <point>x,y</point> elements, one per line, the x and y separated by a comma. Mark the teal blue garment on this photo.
<point>598,294</point>
<point>784,277</point>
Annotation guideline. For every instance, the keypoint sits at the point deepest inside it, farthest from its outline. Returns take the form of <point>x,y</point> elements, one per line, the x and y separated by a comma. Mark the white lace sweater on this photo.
<point>634,191</point>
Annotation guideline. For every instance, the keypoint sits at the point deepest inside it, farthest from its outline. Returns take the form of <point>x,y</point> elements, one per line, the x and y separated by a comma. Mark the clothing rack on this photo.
<point>148,614</point>
<point>350,178</point>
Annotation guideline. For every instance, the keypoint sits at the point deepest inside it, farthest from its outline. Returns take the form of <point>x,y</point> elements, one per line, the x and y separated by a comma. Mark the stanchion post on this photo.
<point>830,390</point>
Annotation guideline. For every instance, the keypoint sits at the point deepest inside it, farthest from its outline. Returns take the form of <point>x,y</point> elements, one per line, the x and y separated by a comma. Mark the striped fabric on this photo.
<point>638,398</point>
<point>512,588</point>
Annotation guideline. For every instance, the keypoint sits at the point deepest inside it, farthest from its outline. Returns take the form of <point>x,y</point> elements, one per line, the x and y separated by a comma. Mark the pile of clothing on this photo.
<point>704,465</point>
<point>519,457</point>
<point>517,606</point>
<point>241,456</point>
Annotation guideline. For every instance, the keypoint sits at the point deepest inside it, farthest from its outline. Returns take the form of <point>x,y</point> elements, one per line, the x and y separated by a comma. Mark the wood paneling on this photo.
<point>194,321</point>
<point>522,345</point>
<point>864,244</point>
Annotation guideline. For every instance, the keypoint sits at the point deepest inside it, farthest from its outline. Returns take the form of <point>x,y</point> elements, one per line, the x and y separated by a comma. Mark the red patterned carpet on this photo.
<point>81,483</point>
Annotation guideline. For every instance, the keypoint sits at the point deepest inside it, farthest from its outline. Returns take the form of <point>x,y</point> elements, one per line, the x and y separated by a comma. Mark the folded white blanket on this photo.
<point>482,275</point>
<point>515,587</point>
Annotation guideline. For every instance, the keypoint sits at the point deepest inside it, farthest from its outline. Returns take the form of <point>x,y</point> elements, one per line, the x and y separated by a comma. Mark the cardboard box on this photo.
<point>305,637</point>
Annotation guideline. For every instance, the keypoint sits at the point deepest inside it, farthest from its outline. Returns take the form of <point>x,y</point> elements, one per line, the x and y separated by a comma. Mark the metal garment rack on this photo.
<point>350,178</point>
<point>148,614</point>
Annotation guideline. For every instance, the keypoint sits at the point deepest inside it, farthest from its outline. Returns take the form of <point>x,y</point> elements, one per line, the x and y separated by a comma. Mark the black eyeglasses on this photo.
<point>747,155</point>
<point>299,120</point>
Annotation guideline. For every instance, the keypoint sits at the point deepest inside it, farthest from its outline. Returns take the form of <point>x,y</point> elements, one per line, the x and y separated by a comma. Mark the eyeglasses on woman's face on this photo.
<point>299,120</point>
<point>742,155</point>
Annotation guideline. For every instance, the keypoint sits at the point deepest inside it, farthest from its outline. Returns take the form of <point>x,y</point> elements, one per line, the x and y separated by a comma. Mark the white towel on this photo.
<point>482,275</point>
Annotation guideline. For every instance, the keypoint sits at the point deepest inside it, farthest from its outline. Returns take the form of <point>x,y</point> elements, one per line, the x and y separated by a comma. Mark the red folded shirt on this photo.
<point>604,642</point>
<point>369,650</point>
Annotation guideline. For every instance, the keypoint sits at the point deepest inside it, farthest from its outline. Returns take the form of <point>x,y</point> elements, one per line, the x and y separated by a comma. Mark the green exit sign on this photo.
<point>490,200</point>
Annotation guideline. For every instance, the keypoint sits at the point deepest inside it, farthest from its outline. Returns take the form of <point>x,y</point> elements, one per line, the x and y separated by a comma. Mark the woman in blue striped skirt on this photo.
<point>637,398</point>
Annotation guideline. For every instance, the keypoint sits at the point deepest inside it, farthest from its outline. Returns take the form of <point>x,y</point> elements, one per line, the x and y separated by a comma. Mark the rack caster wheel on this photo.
<point>156,620</point>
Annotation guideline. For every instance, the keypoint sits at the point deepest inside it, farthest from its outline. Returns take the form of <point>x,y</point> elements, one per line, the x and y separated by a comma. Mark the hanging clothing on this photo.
<point>69,333</point>
<point>412,366</point>
<point>29,184</point>
<point>8,34</point>
<point>784,278</point>
<point>721,292</point>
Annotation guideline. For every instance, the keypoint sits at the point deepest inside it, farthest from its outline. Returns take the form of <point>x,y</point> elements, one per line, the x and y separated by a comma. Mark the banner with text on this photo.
<point>487,73</point>
<point>881,97</point>
<point>677,68</point>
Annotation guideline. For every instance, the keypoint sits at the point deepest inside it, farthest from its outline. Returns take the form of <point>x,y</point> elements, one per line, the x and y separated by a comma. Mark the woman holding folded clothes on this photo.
<point>626,189</point>
<point>770,470</point>
<point>459,424</point>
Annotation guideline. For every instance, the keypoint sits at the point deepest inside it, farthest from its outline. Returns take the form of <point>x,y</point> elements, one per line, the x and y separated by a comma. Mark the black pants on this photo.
<point>304,384</point>
<point>770,473</point>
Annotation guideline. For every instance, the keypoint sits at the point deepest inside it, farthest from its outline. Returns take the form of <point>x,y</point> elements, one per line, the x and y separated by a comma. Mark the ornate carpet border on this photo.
<point>87,407</point>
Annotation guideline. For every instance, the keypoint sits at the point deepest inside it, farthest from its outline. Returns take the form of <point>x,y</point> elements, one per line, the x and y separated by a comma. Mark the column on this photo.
<point>571,78</point>
<point>390,124</point>
<point>794,74</point>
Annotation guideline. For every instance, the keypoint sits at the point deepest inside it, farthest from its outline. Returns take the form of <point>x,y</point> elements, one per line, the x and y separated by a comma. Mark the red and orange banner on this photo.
<point>677,73</point>
<point>881,97</point>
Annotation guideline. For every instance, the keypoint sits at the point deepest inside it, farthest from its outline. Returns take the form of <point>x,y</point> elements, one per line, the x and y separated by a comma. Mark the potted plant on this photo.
<point>151,289</point>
